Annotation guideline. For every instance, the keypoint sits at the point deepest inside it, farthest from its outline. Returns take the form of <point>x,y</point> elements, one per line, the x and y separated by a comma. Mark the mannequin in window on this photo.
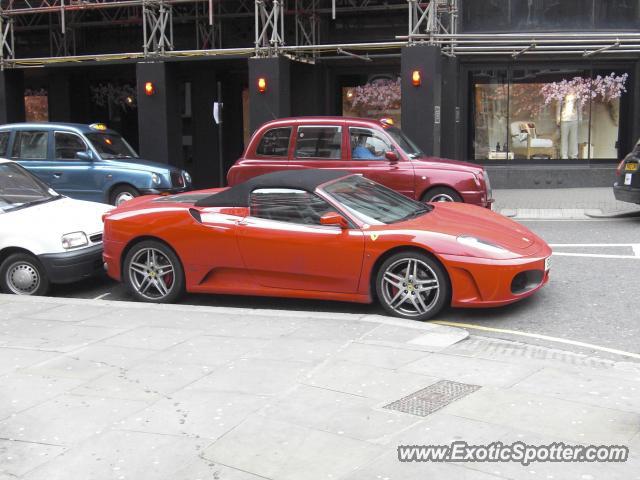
<point>568,117</point>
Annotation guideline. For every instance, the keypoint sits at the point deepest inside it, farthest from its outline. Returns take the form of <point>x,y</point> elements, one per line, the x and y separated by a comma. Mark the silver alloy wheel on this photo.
<point>152,274</point>
<point>22,278</point>
<point>442,197</point>
<point>410,287</point>
<point>123,197</point>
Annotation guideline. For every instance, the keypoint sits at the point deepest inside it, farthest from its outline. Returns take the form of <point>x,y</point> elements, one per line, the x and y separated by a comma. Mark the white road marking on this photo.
<point>594,255</point>
<point>540,337</point>
<point>100,297</point>
<point>633,246</point>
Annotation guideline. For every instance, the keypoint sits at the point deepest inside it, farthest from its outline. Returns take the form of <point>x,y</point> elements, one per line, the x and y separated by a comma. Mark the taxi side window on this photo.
<point>68,145</point>
<point>319,142</point>
<point>288,205</point>
<point>367,144</point>
<point>30,145</point>
<point>275,142</point>
<point>4,143</point>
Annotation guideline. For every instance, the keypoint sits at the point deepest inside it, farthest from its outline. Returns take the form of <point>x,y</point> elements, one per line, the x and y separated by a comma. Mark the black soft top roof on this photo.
<point>238,195</point>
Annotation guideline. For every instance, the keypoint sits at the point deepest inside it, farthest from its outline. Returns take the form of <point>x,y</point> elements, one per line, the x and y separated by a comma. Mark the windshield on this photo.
<point>111,145</point>
<point>372,203</point>
<point>18,188</point>
<point>405,143</point>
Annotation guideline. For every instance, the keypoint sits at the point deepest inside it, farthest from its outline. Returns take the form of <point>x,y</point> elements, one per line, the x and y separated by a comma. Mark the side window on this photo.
<point>30,145</point>
<point>319,142</point>
<point>285,205</point>
<point>275,143</point>
<point>4,143</point>
<point>368,144</point>
<point>68,145</point>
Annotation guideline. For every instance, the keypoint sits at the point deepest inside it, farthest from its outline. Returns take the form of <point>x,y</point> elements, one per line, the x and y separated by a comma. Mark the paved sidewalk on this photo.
<point>97,390</point>
<point>560,203</point>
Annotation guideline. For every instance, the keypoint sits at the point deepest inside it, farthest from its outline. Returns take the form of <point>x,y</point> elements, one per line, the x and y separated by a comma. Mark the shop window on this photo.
<point>275,143</point>
<point>547,115</point>
<point>488,15</point>
<point>319,142</point>
<point>611,14</point>
<point>36,105</point>
<point>378,98</point>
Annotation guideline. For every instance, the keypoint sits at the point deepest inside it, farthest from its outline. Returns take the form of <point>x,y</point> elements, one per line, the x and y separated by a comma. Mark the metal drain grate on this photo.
<point>434,397</point>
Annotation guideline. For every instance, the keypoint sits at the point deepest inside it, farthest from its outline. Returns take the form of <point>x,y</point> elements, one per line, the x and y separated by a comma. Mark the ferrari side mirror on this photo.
<point>334,218</point>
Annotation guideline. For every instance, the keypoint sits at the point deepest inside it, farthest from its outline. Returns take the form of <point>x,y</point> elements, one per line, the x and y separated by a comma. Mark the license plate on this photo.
<point>631,167</point>
<point>627,178</point>
<point>547,263</point>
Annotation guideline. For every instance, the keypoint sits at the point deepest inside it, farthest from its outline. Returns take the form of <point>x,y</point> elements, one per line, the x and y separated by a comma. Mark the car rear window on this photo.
<point>4,142</point>
<point>30,145</point>
<point>319,142</point>
<point>275,142</point>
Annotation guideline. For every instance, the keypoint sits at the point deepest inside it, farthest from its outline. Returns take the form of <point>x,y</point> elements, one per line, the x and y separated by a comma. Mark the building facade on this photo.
<point>543,92</point>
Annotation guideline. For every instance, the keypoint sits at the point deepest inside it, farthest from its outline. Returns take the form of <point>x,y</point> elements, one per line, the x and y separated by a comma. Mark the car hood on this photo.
<point>448,221</point>
<point>56,218</point>
<point>144,165</point>
<point>447,164</point>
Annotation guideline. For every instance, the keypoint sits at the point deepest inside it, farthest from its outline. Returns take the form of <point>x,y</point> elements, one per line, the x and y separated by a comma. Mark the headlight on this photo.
<point>74,240</point>
<point>187,177</point>
<point>480,244</point>
<point>155,178</point>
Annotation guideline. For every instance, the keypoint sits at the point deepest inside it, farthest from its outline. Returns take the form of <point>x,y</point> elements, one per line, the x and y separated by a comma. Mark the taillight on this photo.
<point>620,167</point>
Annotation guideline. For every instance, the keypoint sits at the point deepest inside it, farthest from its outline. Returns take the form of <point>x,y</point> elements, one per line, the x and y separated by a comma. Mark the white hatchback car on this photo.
<point>44,237</point>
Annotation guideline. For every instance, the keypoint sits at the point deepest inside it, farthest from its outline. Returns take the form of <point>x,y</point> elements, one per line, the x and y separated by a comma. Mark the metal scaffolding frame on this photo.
<point>429,21</point>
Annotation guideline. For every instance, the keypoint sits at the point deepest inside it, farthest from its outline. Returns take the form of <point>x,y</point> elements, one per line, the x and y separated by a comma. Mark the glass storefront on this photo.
<point>549,15</point>
<point>546,114</point>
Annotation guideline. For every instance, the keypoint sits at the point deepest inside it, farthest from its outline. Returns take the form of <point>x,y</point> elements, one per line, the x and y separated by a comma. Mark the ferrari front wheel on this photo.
<point>412,285</point>
<point>153,273</point>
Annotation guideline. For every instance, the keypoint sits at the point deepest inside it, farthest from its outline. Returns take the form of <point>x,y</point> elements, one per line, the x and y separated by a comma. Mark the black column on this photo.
<point>159,122</point>
<point>451,111</point>
<point>11,96</point>
<point>275,102</point>
<point>59,98</point>
<point>421,105</point>
<point>205,167</point>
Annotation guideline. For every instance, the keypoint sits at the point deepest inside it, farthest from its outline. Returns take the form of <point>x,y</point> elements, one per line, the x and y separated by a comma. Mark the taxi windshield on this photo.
<point>111,145</point>
<point>405,143</point>
<point>373,203</point>
<point>19,189</point>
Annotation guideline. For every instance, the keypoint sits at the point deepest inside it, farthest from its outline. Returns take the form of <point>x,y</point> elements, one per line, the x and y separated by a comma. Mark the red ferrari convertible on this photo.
<point>323,234</point>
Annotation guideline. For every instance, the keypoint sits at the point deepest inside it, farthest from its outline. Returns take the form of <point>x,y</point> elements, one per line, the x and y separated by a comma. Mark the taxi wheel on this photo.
<point>153,272</point>
<point>122,194</point>
<point>412,285</point>
<point>441,194</point>
<point>23,274</point>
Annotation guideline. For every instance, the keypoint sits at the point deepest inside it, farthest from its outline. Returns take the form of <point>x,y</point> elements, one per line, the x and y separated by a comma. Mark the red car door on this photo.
<point>367,156</point>
<point>284,246</point>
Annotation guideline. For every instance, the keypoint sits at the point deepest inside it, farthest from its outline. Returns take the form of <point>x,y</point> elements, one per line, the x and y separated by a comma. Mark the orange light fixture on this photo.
<point>262,84</point>
<point>416,78</point>
<point>149,89</point>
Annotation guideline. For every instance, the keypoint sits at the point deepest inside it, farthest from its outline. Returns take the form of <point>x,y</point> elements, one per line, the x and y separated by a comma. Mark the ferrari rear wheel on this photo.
<point>153,273</point>
<point>412,285</point>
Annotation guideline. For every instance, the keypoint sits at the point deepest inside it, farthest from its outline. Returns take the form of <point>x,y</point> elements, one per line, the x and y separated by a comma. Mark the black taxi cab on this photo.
<point>627,186</point>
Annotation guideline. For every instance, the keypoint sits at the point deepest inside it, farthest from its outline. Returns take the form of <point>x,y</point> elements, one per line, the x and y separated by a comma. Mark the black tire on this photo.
<point>441,194</point>
<point>419,300</point>
<point>123,193</point>
<point>136,278</point>
<point>23,274</point>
